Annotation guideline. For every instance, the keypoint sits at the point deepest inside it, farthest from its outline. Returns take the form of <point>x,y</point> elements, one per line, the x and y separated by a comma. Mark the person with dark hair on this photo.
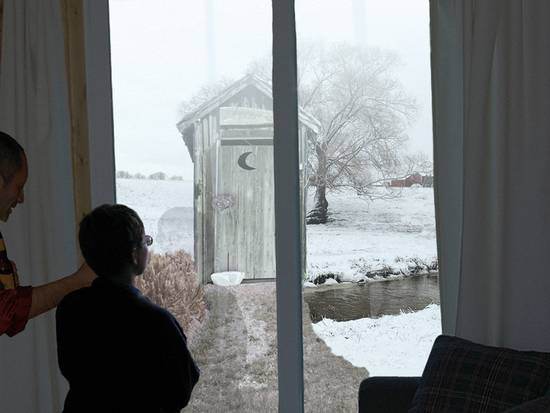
<point>19,304</point>
<point>119,351</point>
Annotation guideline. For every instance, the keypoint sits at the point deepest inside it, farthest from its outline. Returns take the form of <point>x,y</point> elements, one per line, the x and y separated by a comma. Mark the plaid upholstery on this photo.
<point>461,376</point>
<point>540,405</point>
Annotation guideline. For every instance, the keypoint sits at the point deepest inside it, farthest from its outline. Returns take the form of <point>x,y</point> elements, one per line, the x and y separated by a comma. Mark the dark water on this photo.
<point>345,302</point>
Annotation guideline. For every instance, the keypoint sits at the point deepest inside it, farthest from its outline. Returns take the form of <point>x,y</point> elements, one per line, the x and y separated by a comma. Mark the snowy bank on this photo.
<point>393,236</point>
<point>392,345</point>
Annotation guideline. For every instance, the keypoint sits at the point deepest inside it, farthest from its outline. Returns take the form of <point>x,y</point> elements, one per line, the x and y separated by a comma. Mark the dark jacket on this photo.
<point>122,353</point>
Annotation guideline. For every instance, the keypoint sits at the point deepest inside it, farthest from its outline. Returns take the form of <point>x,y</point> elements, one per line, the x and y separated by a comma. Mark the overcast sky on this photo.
<point>164,50</point>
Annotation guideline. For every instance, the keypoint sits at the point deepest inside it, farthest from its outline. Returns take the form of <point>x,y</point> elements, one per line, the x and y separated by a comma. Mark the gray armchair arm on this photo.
<point>387,394</point>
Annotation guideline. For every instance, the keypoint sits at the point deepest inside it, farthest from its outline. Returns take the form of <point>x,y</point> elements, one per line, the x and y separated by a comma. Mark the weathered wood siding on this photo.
<point>250,97</point>
<point>209,154</point>
<point>302,144</point>
<point>198,210</point>
<point>242,237</point>
<point>245,238</point>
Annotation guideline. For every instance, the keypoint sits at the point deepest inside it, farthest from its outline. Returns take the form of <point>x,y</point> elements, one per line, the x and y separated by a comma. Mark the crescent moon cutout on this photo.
<point>242,162</point>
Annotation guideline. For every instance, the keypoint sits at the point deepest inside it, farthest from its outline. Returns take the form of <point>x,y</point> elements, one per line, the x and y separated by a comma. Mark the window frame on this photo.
<point>99,100</point>
<point>288,225</point>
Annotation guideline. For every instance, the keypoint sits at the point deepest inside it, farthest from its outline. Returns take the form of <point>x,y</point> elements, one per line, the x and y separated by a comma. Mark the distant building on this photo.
<point>428,181</point>
<point>413,179</point>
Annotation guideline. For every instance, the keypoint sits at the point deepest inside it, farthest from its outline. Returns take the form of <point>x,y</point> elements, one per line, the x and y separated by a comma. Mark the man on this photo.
<point>119,351</point>
<point>19,305</point>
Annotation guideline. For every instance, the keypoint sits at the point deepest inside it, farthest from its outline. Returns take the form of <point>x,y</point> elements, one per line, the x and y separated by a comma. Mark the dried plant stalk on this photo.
<point>170,281</point>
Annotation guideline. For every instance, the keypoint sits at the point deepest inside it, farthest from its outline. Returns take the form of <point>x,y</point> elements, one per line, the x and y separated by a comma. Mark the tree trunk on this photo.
<point>319,213</point>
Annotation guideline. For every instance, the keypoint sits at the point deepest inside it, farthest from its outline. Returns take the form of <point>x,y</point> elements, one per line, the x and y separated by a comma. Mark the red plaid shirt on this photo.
<point>15,305</point>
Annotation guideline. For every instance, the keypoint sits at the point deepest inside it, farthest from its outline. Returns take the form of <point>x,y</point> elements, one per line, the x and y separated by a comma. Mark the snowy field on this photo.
<point>166,208</point>
<point>392,345</point>
<point>366,236</point>
<point>362,236</point>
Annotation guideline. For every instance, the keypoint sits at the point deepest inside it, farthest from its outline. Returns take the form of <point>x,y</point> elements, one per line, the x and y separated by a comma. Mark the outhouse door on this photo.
<point>244,195</point>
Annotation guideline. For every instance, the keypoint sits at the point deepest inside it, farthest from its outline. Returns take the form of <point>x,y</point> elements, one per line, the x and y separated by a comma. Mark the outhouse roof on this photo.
<point>249,80</point>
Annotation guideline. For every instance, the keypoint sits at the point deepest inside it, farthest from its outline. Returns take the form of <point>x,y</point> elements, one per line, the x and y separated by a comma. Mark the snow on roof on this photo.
<point>239,116</point>
<point>249,80</point>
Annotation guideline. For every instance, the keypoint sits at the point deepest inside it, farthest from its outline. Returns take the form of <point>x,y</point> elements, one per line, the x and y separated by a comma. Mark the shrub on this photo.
<point>323,277</point>
<point>170,281</point>
<point>406,266</point>
<point>123,175</point>
<point>158,176</point>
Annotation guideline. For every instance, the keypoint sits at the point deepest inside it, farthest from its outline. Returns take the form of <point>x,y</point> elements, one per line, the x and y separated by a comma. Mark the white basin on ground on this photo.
<point>227,278</point>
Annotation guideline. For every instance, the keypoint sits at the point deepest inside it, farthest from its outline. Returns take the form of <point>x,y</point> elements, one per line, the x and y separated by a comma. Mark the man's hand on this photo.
<point>46,297</point>
<point>85,275</point>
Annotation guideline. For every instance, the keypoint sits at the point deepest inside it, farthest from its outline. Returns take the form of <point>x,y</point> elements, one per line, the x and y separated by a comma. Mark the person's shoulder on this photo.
<point>161,317</point>
<point>155,310</point>
<point>74,298</point>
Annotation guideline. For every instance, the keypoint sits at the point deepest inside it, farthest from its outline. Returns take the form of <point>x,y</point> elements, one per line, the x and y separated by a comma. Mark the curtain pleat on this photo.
<point>497,291</point>
<point>40,234</point>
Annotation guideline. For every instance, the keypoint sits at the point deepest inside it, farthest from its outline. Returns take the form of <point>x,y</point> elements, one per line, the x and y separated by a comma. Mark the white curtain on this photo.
<point>41,233</point>
<point>491,94</point>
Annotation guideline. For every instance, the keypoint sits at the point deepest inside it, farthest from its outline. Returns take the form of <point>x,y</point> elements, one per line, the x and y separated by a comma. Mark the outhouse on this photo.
<point>230,140</point>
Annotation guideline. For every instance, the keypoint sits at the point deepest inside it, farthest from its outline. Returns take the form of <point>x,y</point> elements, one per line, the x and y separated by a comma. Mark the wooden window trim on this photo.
<point>75,60</point>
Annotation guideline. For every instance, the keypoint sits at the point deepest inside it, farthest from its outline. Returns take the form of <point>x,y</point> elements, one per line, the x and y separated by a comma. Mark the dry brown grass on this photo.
<point>234,342</point>
<point>170,281</point>
<point>237,354</point>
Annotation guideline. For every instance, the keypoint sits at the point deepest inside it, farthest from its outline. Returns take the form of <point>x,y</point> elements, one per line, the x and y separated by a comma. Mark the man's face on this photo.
<point>11,193</point>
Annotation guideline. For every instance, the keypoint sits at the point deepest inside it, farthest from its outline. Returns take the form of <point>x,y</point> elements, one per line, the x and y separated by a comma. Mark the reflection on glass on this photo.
<point>194,154</point>
<point>371,285</point>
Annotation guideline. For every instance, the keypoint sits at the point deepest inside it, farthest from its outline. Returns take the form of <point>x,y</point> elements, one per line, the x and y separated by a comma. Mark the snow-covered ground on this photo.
<point>362,237</point>
<point>392,345</point>
<point>365,236</point>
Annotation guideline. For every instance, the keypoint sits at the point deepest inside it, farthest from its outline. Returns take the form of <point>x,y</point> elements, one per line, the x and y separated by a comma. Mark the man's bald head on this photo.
<point>13,175</point>
<point>11,157</point>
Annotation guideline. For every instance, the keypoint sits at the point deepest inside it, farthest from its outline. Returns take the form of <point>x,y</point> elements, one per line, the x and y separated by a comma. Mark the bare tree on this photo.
<point>419,162</point>
<point>204,94</point>
<point>364,113</point>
